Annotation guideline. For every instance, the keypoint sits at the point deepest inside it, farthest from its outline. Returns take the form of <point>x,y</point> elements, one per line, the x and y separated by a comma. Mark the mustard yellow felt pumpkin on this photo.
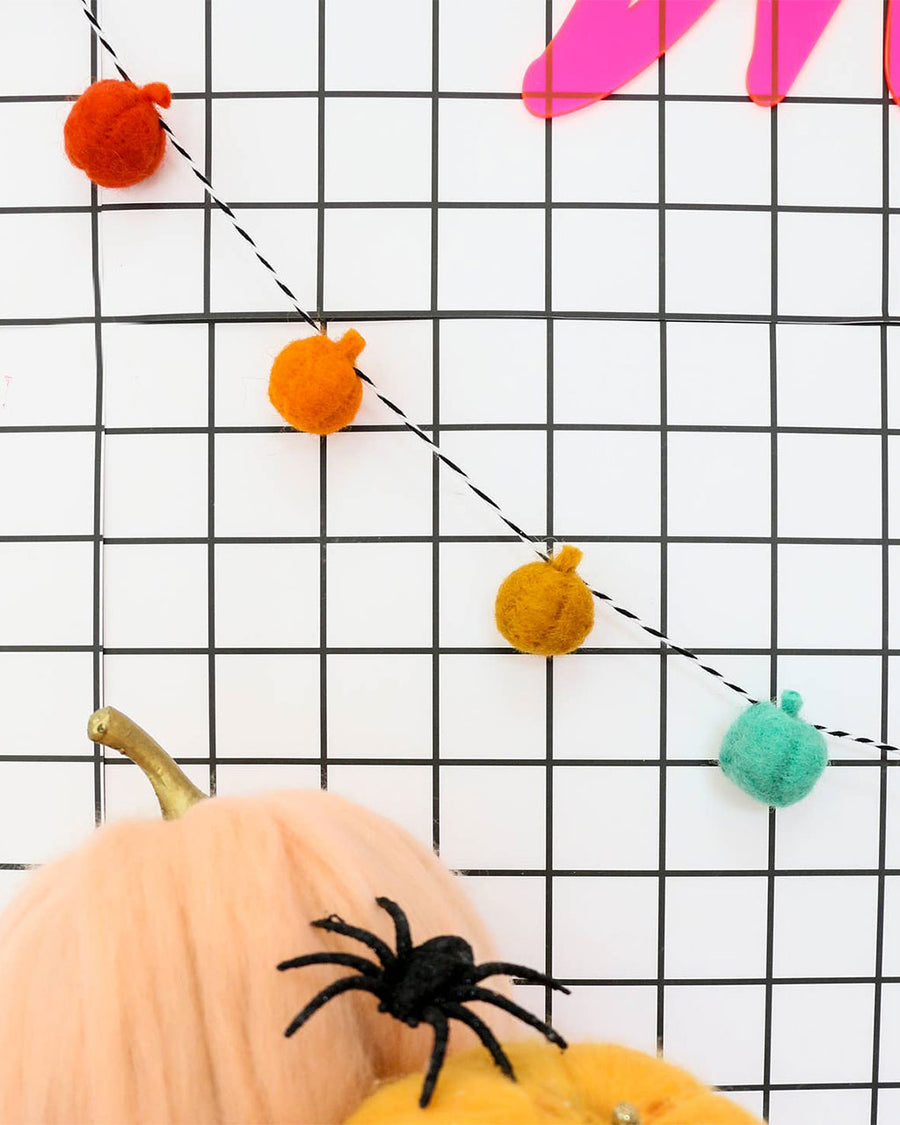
<point>589,1084</point>
<point>138,974</point>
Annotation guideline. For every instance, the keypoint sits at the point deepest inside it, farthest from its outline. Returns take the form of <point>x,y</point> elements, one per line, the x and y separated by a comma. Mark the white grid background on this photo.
<point>622,324</point>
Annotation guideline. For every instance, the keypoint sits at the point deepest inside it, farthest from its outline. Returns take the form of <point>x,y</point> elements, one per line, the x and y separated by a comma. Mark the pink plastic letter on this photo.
<point>892,54</point>
<point>786,32</point>
<point>602,45</point>
<point>605,43</point>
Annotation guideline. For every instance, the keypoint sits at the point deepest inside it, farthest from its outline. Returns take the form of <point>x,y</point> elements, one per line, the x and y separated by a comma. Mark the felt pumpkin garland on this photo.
<point>318,398</point>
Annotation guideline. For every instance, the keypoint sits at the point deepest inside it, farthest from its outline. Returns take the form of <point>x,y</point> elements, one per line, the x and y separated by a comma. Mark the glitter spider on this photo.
<point>427,983</point>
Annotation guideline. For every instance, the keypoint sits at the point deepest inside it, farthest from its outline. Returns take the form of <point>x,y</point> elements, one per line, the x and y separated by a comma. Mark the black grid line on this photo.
<point>885,598</point>
<point>549,516</point>
<point>693,982</point>
<point>451,205</point>
<point>97,612</point>
<point>472,650</point>
<point>137,540</point>
<point>454,205</point>
<point>579,873</point>
<point>211,400</point>
<point>340,316</point>
<point>502,427</point>
<point>435,430</point>
<point>663,539</point>
<point>465,95</point>
<point>401,763</point>
<point>323,440</point>
<point>773,568</point>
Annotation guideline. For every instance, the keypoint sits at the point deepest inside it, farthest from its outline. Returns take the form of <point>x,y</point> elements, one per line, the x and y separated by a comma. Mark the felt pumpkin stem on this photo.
<point>174,790</point>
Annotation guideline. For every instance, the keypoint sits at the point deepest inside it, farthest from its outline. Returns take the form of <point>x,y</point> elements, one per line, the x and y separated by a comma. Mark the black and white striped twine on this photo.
<point>531,541</point>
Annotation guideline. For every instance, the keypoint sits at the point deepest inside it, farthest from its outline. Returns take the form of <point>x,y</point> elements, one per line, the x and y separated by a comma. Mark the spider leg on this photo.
<point>484,1033</point>
<point>401,925</point>
<point>441,1032</point>
<point>490,997</point>
<point>348,960</point>
<point>336,925</point>
<point>345,984</point>
<point>494,968</point>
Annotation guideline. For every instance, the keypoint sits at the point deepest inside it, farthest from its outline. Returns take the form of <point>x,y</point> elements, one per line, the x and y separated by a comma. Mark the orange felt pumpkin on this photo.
<point>138,973</point>
<point>114,134</point>
<point>313,384</point>
<point>586,1085</point>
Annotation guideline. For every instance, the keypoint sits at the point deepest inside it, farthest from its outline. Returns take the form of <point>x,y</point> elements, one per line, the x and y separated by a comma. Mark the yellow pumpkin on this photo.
<point>589,1084</point>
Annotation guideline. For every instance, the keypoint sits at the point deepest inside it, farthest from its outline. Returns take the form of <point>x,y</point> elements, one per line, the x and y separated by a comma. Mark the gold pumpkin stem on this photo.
<point>174,790</point>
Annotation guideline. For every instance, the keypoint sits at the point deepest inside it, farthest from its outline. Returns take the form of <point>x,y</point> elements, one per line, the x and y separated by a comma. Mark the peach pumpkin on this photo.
<point>138,973</point>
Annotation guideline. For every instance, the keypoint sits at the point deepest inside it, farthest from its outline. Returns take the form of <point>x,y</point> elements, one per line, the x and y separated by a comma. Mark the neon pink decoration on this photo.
<point>605,43</point>
<point>892,54</point>
<point>786,32</point>
<point>602,45</point>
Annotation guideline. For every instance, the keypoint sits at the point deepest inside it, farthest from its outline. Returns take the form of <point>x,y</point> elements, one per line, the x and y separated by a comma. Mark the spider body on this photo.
<point>428,983</point>
<point>430,969</point>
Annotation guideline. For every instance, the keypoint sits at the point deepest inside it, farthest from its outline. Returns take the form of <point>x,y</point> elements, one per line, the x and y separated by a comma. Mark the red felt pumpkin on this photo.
<point>114,134</point>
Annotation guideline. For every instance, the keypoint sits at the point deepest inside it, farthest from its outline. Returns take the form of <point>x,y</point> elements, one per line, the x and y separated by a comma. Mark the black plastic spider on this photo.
<point>427,983</point>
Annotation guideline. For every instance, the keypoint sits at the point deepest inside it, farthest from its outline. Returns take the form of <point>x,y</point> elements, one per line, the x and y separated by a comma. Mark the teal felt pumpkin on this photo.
<point>772,754</point>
